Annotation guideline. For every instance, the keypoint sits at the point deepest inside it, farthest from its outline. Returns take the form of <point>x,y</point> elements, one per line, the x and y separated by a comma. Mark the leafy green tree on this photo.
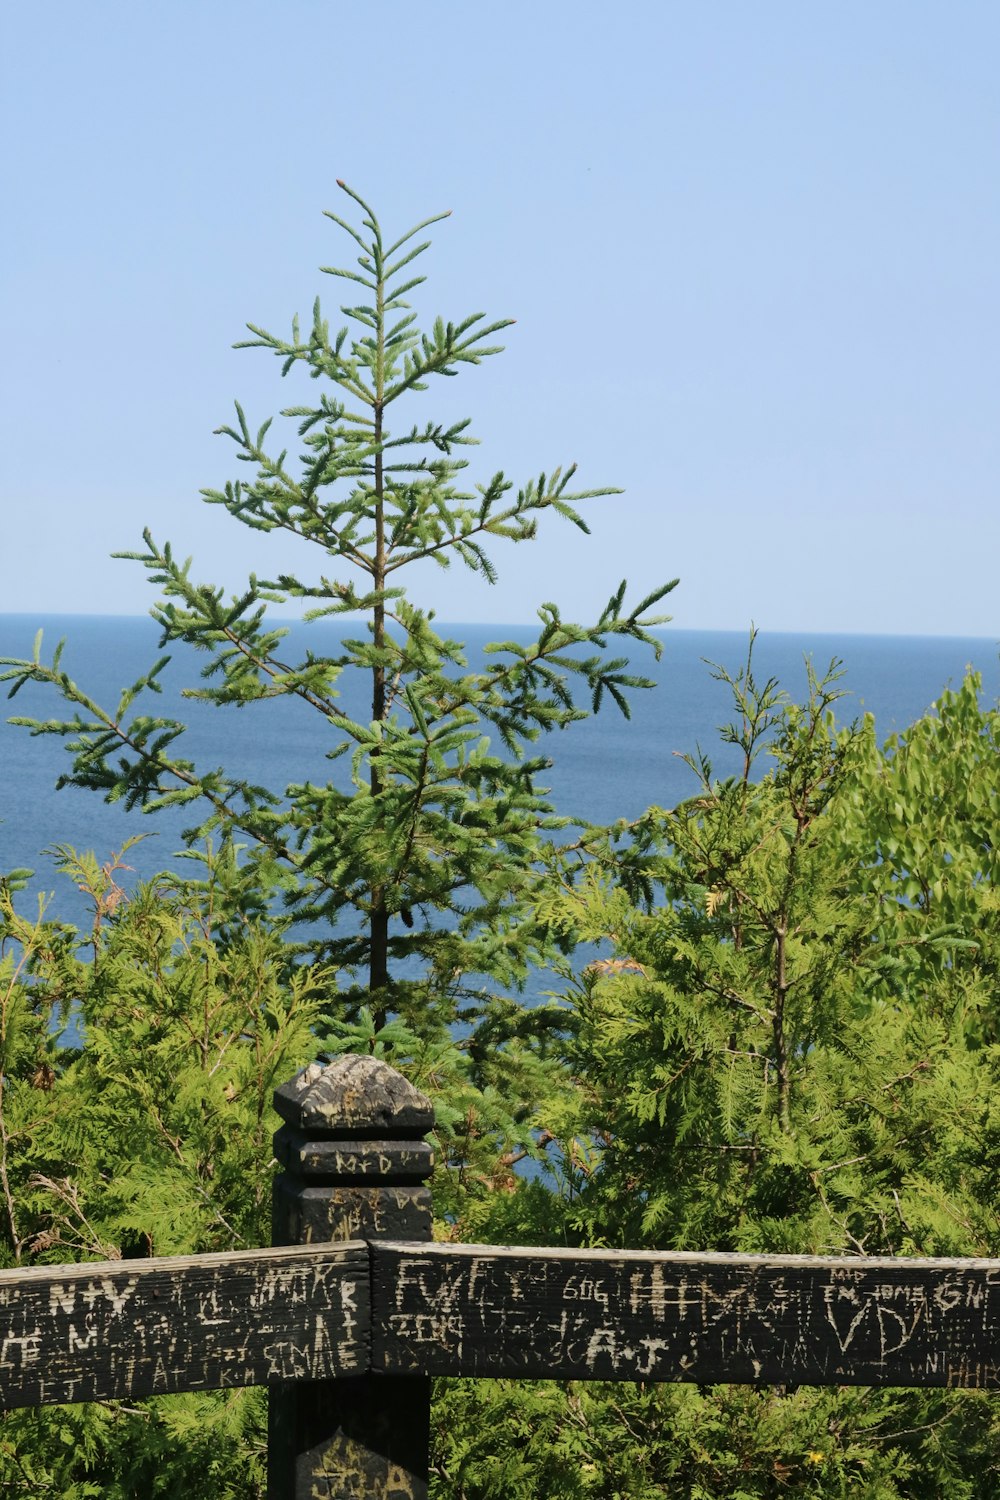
<point>540,1441</point>
<point>138,1064</point>
<point>788,1047</point>
<point>800,1017</point>
<point>920,821</point>
<point>423,867</point>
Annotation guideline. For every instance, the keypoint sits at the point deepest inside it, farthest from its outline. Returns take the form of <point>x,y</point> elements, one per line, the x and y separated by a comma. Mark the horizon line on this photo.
<point>500,625</point>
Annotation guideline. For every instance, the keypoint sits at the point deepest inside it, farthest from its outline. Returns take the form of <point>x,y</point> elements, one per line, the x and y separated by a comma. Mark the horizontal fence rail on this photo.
<point>118,1329</point>
<point>390,1308</point>
<point>484,1310</point>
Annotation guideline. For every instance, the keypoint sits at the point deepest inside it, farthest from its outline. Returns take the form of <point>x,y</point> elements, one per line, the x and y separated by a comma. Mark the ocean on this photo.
<point>604,768</point>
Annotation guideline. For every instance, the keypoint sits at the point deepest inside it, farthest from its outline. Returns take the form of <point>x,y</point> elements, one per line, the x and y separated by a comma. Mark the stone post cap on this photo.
<point>359,1097</point>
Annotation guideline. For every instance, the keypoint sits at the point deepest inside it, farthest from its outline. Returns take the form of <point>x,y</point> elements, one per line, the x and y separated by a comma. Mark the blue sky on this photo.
<point>752,250</point>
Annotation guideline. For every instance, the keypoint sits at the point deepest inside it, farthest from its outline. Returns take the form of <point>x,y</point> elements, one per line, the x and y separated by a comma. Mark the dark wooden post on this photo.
<point>354,1162</point>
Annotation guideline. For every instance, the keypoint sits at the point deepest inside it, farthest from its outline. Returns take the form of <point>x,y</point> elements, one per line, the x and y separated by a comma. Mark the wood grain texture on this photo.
<point>332,1161</point>
<point>303,1214</point>
<point>576,1314</point>
<point>374,1436</point>
<point>138,1328</point>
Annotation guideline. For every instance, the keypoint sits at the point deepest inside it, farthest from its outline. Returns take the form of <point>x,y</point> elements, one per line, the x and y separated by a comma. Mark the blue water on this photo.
<point>602,769</point>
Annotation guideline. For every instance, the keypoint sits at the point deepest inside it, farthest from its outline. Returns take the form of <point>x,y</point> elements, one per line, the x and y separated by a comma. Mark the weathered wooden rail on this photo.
<point>353,1310</point>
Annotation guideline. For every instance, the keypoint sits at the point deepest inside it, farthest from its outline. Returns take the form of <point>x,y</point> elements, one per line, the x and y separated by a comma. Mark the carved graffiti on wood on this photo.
<point>352,1161</point>
<point>134,1328</point>
<point>315,1215</point>
<point>127,1329</point>
<point>488,1310</point>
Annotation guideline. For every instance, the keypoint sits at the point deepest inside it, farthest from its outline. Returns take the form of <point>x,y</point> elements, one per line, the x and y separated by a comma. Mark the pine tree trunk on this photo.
<point>378,975</point>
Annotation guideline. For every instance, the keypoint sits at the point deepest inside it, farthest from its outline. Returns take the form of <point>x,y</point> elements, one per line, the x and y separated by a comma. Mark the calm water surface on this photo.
<point>602,769</point>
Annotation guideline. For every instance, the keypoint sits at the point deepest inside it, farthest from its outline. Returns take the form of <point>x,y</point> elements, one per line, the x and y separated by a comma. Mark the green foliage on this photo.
<point>169,1448</point>
<point>152,1137</point>
<point>921,828</point>
<point>786,1020</point>
<point>172,1146</point>
<point>540,1441</point>
<point>788,1047</point>
<point>422,869</point>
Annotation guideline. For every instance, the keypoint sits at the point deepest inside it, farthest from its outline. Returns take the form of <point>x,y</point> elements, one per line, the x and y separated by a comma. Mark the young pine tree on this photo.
<point>422,869</point>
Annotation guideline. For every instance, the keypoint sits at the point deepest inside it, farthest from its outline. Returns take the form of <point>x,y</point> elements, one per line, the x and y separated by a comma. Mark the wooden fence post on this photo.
<point>354,1162</point>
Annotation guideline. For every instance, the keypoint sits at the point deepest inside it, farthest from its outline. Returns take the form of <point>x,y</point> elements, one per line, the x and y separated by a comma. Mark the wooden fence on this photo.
<point>352,1311</point>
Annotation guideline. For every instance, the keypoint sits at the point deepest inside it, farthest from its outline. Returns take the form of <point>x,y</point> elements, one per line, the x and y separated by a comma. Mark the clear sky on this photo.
<point>753,251</point>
